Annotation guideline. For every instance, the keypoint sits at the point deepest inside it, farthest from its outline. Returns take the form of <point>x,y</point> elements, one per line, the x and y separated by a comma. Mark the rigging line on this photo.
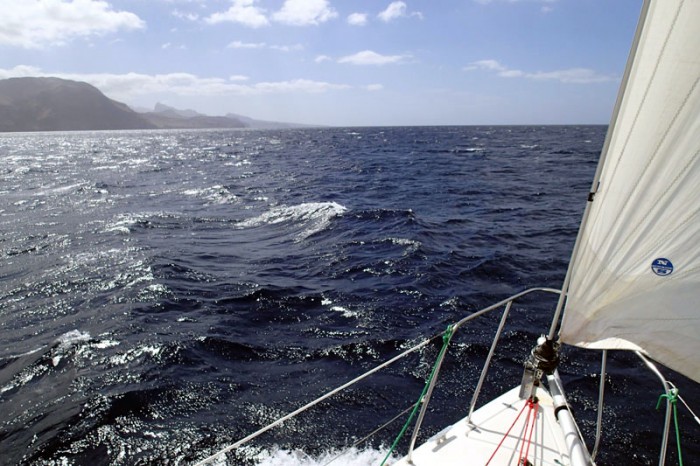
<point>368,436</point>
<point>601,397</point>
<point>316,401</point>
<point>672,397</point>
<point>667,418</point>
<point>533,408</point>
<point>525,405</point>
<point>695,416</point>
<point>425,394</point>
<point>523,443</point>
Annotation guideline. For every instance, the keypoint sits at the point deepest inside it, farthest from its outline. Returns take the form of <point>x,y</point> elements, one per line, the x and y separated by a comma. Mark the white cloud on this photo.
<point>39,23</point>
<point>485,2</point>
<point>393,11</point>
<point>573,75</point>
<point>374,87</point>
<point>368,57</point>
<point>299,85</point>
<point>511,74</point>
<point>397,10</point>
<point>305,12</point>
<point>243,12</point>
<point>186,16</point>
<point>570,75</point>
<point>287,48</point>
<point>322,58</point>
<point>491,65</point>
<point>237,44</point>
<point>21,71</point>
<point>166,45</point>
<point>238,77</point>
<point>130,85</point>
<point>357,19</point>
<point>546,8</point>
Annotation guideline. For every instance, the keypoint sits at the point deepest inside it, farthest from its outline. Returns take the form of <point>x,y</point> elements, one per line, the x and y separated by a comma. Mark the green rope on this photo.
<point>446,337</point>
<point>672,397</point>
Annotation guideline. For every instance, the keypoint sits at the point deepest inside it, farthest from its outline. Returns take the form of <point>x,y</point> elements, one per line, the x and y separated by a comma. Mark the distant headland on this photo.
<point>55,104</point>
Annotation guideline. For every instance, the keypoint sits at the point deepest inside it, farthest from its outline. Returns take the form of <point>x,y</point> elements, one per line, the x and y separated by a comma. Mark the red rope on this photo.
<point>533,410</point>
<point>531,406</point>
<point>506,435</point>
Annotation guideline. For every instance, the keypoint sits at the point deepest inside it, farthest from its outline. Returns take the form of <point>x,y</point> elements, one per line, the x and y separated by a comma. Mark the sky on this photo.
<point>333,62</point>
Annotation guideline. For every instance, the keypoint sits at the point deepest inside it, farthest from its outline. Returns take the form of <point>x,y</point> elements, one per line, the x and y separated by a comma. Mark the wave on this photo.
<point>217,194</point>
<point>347,457</point>
<point>316,217</point>
<point>63,190</point>
<point>20,370</point>
<point>126,222</point>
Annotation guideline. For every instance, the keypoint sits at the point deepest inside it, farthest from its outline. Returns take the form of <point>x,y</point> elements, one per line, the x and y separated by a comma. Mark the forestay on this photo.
<point>635,278</point>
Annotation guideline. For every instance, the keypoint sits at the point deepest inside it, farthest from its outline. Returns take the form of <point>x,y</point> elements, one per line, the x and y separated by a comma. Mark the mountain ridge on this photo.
<point>56,104</point>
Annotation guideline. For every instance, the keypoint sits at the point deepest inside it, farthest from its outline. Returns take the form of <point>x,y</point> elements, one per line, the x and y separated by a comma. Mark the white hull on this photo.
<point>477,441</point>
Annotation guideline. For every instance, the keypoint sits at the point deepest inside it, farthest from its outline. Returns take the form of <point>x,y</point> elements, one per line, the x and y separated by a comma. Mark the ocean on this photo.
<point>165,293</point>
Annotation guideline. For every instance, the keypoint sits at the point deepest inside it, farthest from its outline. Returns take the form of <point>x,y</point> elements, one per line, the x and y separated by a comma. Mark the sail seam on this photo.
<point>642,103</point>
<point>652,208</point>
<point>672,232</point>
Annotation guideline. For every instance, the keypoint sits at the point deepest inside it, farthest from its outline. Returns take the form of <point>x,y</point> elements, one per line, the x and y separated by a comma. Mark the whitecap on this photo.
<point>69,338</point>
<point>316,215</point>
<point>123,223</point>
<point>135,353</point>
<point>217,194</point>
<point>347,457</point>
<point>61,189</point>
<point>410,244</point>
<point>345,311</point>
<point>103,344</point>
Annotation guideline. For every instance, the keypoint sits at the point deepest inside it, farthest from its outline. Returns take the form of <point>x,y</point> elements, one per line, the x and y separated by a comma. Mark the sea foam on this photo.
<point>316,216</point>
<point>348,457</point>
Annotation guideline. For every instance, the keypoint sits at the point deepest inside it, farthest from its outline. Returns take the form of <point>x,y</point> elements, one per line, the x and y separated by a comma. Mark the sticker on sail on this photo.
<point>662,267</point>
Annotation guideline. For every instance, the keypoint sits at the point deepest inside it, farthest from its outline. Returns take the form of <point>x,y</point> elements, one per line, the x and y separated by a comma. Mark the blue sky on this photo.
<point>332,62</point>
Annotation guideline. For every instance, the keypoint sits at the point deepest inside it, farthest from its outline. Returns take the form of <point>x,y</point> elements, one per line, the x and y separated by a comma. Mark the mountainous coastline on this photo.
<point>55,104</point>
<point>165,116</point>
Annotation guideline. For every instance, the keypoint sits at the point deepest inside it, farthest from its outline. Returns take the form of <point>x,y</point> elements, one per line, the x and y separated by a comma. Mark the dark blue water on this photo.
<point>166,293</point>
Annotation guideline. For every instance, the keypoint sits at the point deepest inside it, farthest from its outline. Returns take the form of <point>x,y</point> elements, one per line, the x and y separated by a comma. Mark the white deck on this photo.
<point>474,443</point>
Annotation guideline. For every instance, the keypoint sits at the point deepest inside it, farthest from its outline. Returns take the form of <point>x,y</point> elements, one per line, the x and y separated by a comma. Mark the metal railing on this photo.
<point>507,303</point>
<point>424,402</point>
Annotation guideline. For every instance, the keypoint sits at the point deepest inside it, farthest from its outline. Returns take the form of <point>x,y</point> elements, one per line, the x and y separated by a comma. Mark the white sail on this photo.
<point>635,278</point>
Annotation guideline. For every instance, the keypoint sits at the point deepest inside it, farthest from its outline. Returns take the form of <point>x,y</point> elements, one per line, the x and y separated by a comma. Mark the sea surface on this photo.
<point>165,293</point>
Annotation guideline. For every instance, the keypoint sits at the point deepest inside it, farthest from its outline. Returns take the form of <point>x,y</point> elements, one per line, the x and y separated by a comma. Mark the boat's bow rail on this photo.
<point>420,407</point>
